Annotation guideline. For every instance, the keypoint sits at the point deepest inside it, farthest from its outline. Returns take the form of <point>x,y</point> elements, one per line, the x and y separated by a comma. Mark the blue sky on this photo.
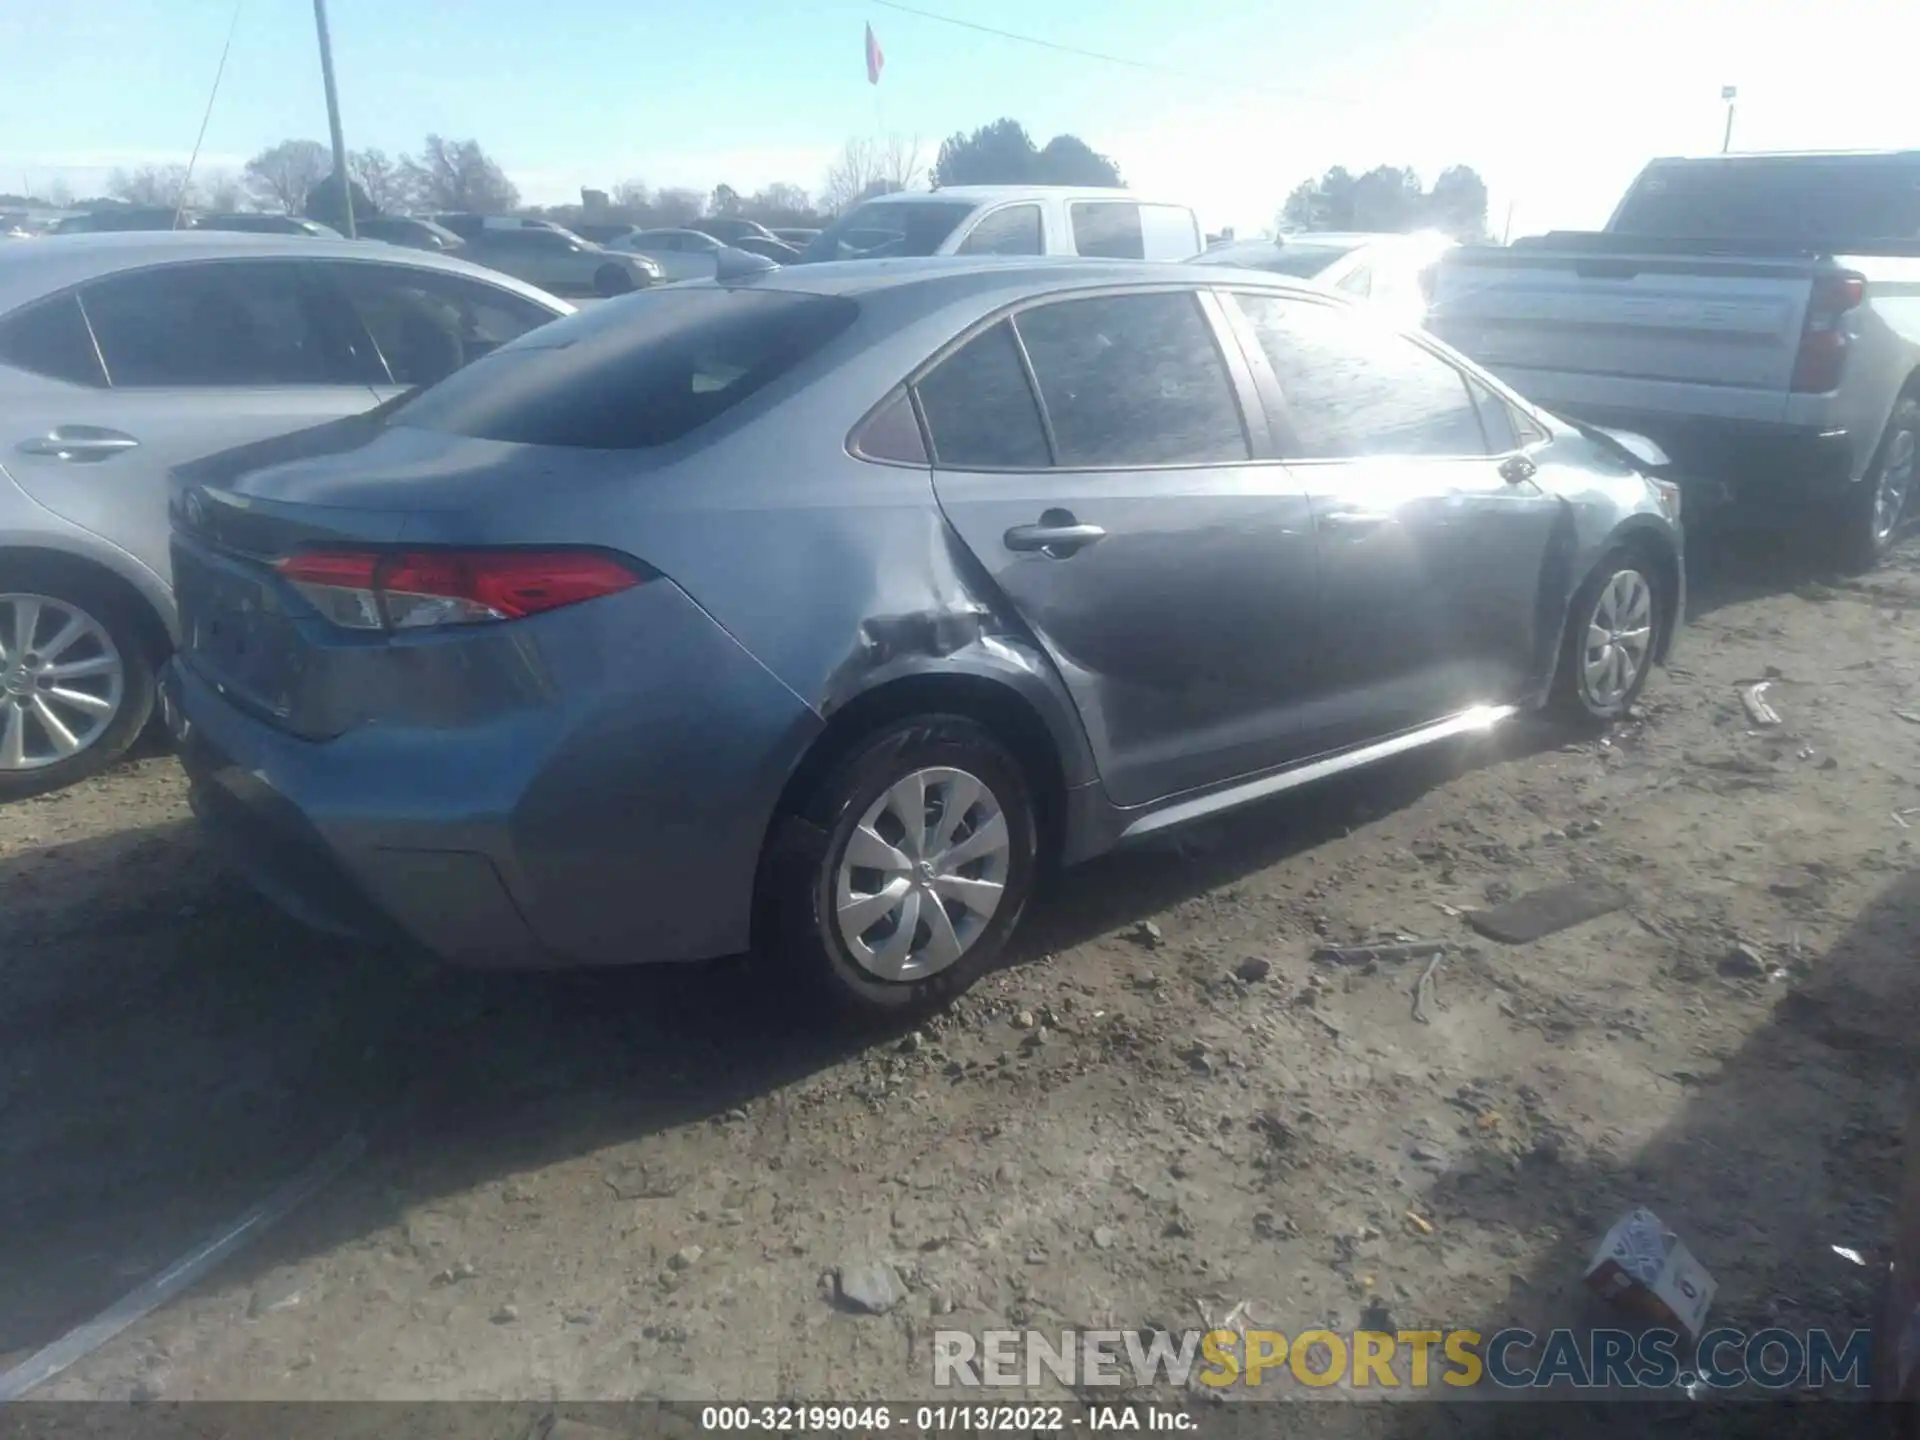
<point>1556,102</point>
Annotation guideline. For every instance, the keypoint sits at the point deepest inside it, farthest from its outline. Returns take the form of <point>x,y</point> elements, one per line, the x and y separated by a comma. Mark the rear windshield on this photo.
<point>1824,202</point>
<point>883,228</point>
<point>632,373</point>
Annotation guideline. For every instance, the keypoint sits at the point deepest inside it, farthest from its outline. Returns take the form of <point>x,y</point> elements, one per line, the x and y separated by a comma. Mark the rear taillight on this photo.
<point>419,589</point>
<point>1823,339</point>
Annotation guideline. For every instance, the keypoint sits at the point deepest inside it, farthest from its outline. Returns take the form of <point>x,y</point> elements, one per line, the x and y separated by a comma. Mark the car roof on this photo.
<point>954,275</point>
<point>54,262</point>
<point>988,194</point>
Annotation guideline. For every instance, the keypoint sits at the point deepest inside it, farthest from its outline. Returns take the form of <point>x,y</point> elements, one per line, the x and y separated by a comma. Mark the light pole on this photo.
<point>1727,93</point>
<point>333,116</point>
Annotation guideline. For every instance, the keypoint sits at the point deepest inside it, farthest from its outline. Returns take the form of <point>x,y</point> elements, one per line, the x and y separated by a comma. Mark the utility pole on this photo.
<point>1727,93</point>
<point>333,116</point>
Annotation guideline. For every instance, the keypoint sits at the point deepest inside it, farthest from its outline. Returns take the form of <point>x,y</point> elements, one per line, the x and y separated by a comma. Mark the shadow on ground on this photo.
<point>1786,1148</point>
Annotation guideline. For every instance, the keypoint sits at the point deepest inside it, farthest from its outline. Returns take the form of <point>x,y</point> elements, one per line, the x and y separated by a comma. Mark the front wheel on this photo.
<point>1613,630</point>
<point>612,280</point>
<point>1870,515</point>
<point>76,682</point>
<point>928,858</point>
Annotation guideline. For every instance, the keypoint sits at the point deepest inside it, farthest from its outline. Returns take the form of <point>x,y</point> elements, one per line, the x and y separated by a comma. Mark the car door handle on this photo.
<point>1055,538</point>
<point>79,443</point>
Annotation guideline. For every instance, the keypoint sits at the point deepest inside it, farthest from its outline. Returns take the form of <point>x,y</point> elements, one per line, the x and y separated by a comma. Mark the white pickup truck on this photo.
<point>1757,316</point>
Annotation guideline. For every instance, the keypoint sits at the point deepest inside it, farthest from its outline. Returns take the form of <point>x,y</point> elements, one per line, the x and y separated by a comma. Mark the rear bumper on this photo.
<point>620,823</point>
<point>1742,462</point>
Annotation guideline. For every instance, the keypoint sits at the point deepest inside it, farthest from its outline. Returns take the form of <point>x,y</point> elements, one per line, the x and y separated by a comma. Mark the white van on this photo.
<point>1011,220</point>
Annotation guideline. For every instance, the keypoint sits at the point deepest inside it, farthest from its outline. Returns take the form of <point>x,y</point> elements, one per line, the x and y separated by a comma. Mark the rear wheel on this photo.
<point>927,862</point>
<point>611,280</point>
<point>1613,629</point>
<point>1870,516</point>
<point>76,680</point>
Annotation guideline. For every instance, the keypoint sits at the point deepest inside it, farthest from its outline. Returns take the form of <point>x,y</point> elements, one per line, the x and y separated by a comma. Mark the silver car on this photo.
<point>827,607</point>
<point>122,355</point>
<point>560,261</point>
<point>680,254</point>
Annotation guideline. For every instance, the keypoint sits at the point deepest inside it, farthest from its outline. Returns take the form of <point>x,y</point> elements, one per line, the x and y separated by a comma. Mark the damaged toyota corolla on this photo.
<point>817,612</point>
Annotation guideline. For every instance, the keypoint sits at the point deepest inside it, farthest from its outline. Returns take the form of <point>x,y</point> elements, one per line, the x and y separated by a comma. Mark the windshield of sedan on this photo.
<point>884,228</point>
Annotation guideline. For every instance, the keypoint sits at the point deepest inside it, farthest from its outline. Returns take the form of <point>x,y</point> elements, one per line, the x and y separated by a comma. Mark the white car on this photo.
<point>680,254</point>
<point>1393,271</point>
<point>1109,224</point>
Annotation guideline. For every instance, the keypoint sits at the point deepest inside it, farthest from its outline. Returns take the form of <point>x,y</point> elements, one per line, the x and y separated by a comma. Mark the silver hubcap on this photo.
<point>1619,637</point>
<point>1896,479</point>
<point>922,874</point>
<point>61,681</point>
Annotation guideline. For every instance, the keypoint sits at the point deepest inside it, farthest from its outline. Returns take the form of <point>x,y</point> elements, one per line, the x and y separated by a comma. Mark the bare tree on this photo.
<point>281,175</point>
<point>382,178</point>
<point>676,206</point>
<point>459,175</point>
<point>60,194</point>
<point>632,195</point>
<point>222,190</point>
<point>870,167</point>
<point>779,201</point>
<point>150,185</point>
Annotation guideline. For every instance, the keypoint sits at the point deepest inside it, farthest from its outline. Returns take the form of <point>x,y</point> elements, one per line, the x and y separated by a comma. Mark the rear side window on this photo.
<point>634,373</point>
<point>428,325</point>
<point>1497,419</point>
<point>1012,231</point>
<point>1108,229</point>
<point>1357,388</point>
<point>1133,380</point>
<point>980,408</point>
<point>51,339</point>
<point>246,323</point>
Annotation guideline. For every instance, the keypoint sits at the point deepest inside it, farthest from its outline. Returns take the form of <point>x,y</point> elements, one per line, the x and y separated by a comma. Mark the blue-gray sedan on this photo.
<point>818,610</point>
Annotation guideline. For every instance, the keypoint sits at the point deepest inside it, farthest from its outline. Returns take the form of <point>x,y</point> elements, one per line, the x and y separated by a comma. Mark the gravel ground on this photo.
<point>640,1184</point>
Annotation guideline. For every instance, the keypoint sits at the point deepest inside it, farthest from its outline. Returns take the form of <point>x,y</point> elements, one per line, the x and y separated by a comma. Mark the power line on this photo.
<point>186,181</point>
<point>1131,64</point>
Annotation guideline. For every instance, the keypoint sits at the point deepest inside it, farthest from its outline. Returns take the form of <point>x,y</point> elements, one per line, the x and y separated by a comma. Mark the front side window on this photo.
<point>235,323</point>
<point>1353,387</point>
<point>1107,229</point>
<point>1012,231</point>
<point>617,379</point>
<point>980,408</point>
<point>428,325</point>
<point>1133,380</point>
<point>1357,282</point>
<point>51,339</point>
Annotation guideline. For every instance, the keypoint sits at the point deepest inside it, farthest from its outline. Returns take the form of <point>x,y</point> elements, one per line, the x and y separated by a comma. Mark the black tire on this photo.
<point>803,883</point>
<point>1574,694</point>
<point>611,280</point>
<point>1865,532</point>
<point>101,602</point>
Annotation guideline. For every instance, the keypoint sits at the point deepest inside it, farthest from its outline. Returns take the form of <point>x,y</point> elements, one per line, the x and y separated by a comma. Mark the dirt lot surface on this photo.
<point>641,1184</point>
